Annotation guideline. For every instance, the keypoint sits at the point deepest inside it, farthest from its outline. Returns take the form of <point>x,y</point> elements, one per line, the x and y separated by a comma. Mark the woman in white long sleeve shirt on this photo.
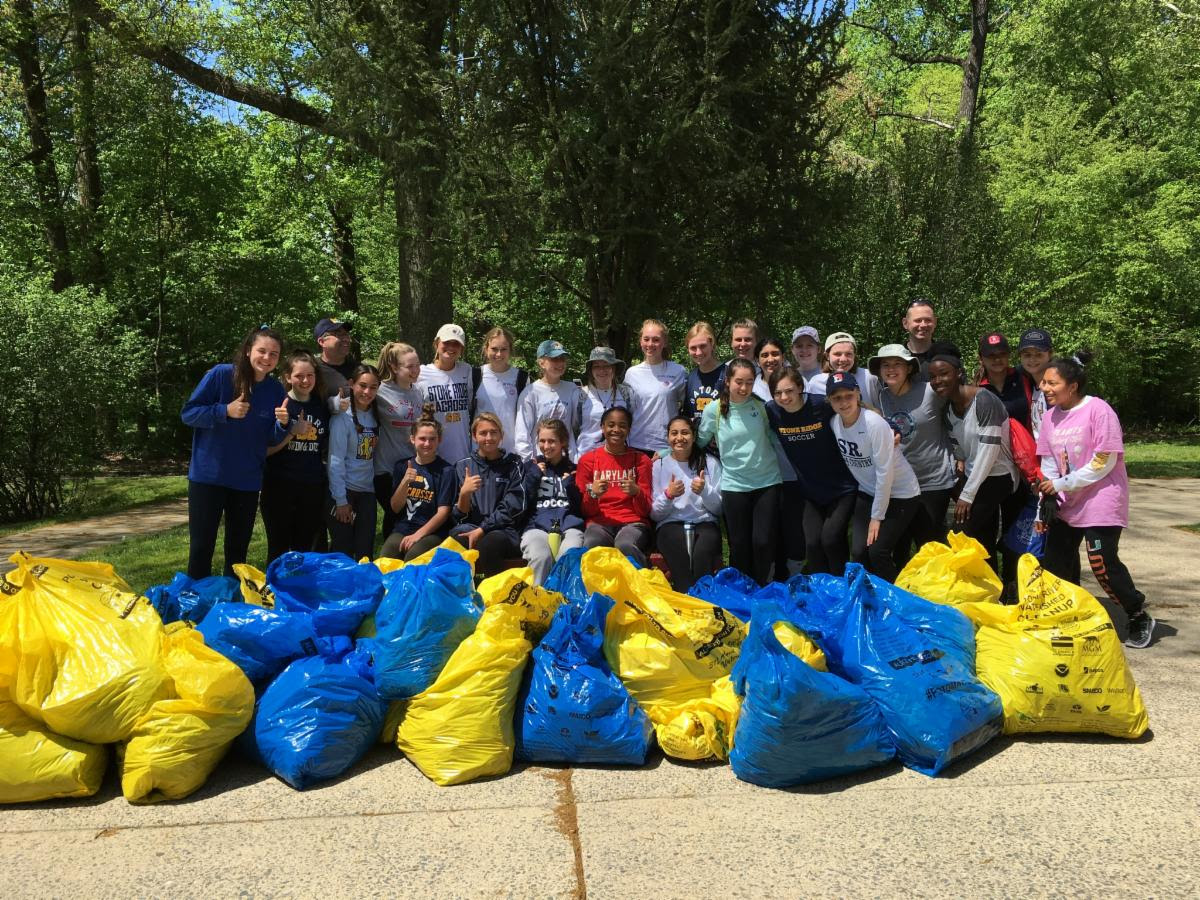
<point>994,493</point>
<point>888,493</point>
<point>686,504</point>
<point>550,397</point>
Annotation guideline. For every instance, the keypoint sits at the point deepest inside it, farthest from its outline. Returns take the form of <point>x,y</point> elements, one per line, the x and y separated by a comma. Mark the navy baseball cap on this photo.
<point>840,381</point>
<point>327,325</point>
<point>1037,338</point>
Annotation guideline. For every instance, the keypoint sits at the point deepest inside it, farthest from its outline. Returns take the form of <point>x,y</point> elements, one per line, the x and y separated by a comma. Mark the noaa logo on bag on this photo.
<point>1062,671</point>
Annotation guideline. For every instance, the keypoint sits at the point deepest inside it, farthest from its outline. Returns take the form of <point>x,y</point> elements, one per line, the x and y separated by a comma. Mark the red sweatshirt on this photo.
<point>615,507</point>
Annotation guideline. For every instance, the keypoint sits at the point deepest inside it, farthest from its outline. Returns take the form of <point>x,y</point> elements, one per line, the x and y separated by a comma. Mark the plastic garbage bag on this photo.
<point>427,610</point>
<point>461,727</point>
<point>37,764</point>
<point>1022,536</point>
<point>176,745</point>
<point>253,585</point>
<point>798,723</point>
<point>955,572</point>
<point>515,586</point>
<point>319,716</point>
<point>669,650</point>
<point>331,587</point>
<point>572,708</point>
<point>190,599</point>
<point>566,578</point>
<point>916,659</point>
<point>1056,660</point>
<point>257,640</point>
<point>79,652</point>
<point>386,564</point>
<point>729,589</point>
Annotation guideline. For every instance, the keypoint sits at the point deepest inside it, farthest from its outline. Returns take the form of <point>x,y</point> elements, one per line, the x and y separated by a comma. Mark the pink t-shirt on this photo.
<point>1072,437</point>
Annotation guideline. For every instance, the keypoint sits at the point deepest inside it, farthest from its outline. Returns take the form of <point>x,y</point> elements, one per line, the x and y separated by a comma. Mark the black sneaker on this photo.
<point>1141,630</point>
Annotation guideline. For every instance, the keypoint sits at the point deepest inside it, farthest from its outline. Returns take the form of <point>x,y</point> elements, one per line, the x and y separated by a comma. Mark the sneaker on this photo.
<point>1141,630</point>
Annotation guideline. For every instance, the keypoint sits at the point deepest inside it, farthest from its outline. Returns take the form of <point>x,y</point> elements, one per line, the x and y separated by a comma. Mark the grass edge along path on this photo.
<point>107,495</point>
<point>1174,458</point>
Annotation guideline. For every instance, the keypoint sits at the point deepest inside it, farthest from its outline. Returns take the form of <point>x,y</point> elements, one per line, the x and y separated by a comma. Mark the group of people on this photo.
<point>814,459</point>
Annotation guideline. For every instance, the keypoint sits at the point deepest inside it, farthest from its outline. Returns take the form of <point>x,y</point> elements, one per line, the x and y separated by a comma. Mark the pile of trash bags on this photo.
<point>305,667</point>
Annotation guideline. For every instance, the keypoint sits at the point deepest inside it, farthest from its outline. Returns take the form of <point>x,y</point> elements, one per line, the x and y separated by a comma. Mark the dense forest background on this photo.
<point>173,174</point>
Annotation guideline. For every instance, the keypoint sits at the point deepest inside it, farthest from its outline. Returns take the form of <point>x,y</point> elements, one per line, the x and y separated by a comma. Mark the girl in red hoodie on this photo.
<point>615,482</point>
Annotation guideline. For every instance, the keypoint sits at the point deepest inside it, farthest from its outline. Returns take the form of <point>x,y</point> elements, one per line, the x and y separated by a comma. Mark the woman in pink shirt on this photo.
<point>1082,454</point>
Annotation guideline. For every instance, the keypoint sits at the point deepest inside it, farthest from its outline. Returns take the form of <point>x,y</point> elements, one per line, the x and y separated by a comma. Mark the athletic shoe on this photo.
<point>1141,630</point>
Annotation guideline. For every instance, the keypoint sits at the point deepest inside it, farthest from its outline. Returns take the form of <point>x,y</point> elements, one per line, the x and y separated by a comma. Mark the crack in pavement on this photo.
<point>566,820</point>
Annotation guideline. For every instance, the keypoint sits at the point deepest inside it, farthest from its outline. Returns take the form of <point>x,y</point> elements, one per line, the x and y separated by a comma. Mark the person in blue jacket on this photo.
<point>490,508</point>
<point>236,412</point>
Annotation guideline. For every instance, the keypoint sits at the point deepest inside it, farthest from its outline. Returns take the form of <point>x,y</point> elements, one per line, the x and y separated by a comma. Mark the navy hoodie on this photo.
<point>553,496</point>
<point>499,504</point>
<point>231,452</point>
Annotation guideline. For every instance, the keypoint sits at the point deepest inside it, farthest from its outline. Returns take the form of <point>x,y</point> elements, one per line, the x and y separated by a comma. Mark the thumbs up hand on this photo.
<point>343,398</point>
<point>281,411</point>
<point>698,482</point>
<point>674,487</point>
<point>410,475</point>
<point>471,483</point>
<point>301,424</point>
<point>238,408</point>
<point>598,486</point>
<point>629,483</point>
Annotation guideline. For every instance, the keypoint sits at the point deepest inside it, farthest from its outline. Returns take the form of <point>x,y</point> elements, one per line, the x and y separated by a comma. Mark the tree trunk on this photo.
<point>424,295</point>
<point>968,98</point>
<point>87,163</point>
<point>50,207</point>
<point>345,288</point>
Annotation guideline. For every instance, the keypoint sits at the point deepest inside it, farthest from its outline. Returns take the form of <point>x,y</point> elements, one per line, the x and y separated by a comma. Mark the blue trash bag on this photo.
<point>566,577</point>
<point>319,716</point>
<point>573,708</point>
<point>338,592</point>
<point>917,660</point>
<point>425,613</point>
<point>729,589</point>
<point>188,599</point>
<point>258,641</point>
<point>816,604</point>
<point>797,724</point>
<point>1021,536</point>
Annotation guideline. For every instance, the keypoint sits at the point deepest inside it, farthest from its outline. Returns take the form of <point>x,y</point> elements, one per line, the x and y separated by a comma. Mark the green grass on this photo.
<point>1194,529</point>
<point>111,494</point>
<point>1175,458</point>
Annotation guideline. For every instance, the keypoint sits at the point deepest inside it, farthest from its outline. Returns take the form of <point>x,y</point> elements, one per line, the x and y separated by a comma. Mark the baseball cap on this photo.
<point>840,381</point>
<point>806,331</point>
<point>1037,338</point>
<point>450,332</point>
<point>993,342</point>
<point>327,325</point>
<point>840,337</point>
<point>551,349</point>
<point>893,351</point>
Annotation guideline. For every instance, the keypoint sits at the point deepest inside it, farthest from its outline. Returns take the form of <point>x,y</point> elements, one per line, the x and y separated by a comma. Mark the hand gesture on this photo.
<point>698,482</point>
<point>471,483</point>
<point>542,465</point>
<point>410,475</point>
<point>301,424</point>
<point>1046,488</point>
<point>599,485</point>
<point>344,398</point>
<point>629,483</point>
<point>281,411</point>
<point>344,513</point>
<point>238,408</point>
<point>674,487</point>
<point>962,512</point>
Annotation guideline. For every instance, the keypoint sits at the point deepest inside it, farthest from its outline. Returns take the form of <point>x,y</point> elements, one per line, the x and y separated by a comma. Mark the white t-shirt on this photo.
<point>592,403</point>
<point>450,394</point>
<point>868,448</point>
<point>498,395</point>
<point>543,401</point>
<point>658,394</point>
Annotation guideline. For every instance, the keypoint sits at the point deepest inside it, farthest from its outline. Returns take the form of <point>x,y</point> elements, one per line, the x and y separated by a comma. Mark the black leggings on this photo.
<point>206,505</point>
<point>879,556</point>
<point>750,520</point>
<point>384,488</point>
<point>704,559</point>
<point>997,505</point>
<point>355,538</point>
<point>929,524</point>
<point>291,514</point>
<point>1062,559</point>
<point>825,527</point>
<point>789,530</point>
<point>495,548</point>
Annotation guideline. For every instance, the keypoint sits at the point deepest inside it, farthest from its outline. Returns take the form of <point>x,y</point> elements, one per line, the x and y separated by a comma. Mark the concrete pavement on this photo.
<point>1051,815</point>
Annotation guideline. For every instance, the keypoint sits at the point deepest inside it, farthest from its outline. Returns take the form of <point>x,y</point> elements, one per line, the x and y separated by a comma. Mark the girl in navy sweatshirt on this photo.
<point>490,490</point>
<point>236,412</point>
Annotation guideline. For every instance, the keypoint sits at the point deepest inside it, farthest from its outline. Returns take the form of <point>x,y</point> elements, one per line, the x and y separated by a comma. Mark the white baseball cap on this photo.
<point>449,332</point>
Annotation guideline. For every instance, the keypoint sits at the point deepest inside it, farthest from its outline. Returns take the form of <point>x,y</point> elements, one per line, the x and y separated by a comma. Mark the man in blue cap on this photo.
<point>335,362</point>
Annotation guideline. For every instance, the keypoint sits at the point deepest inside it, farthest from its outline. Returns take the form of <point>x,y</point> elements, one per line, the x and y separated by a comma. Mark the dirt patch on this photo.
<point>567,822</point>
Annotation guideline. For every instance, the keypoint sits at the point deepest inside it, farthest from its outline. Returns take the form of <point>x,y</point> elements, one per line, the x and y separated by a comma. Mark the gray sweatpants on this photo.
<point>535,547</point>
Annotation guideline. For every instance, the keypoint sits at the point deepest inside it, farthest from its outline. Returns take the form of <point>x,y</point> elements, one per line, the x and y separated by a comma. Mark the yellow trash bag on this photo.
<point>515,586</point>
<point>254,586</point>
<point>180,740</point>
<point>800,645</point>
<point>958,573</point>
<point>37,764</point>
<point>386,564</point>
<point>1055,659</point>
<point>461,726</point>
<point>669,649</point>
<point>79,652</point>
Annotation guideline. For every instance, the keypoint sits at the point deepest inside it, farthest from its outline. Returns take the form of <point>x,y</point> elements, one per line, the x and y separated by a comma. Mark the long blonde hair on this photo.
<point>491,334</point>
<point>390,356</point>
